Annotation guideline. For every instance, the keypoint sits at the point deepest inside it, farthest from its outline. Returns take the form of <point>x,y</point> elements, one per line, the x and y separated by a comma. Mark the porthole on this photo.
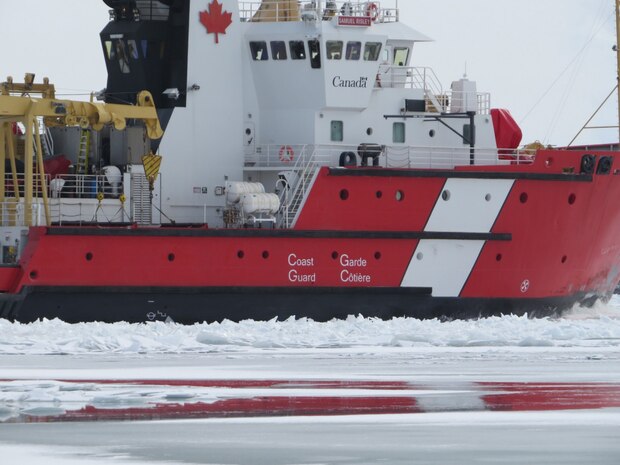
<point>400,196</point>
<point>377,255</point>
<point>34,275</point>
<point>171,257</point>
<point>499,257</point>
<point>344,194</point>
<point>431,133</point>
<point>369,131</point>
<point>572,199</point>
<point>564,259</point>
<point>335,255</point>
<point>89,256</point>
<point>379,194</point>
<point>265,254</point>
<point>487,197</point>
<point>419,256</point>
<point>445,195</point>
<point>523,197</point>
<point>248,131</point>
<point>240,254</point>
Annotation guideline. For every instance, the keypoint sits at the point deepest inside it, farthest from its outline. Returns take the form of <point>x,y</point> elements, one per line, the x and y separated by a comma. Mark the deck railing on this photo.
<point>424,78</point>
<point>67,186</point>
<point>14,213</point>
<point>291,10</point>
<point>267,157</point>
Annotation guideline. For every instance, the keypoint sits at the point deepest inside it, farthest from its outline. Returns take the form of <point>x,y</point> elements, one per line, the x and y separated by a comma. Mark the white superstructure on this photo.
<point>275,89</point>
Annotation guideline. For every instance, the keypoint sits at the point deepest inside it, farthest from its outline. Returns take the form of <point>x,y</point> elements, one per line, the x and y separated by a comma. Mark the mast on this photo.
<point>618,58</point>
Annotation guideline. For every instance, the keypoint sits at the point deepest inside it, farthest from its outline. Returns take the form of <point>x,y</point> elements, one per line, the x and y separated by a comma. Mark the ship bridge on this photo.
<point>311,61</point>
<point>325,54</point>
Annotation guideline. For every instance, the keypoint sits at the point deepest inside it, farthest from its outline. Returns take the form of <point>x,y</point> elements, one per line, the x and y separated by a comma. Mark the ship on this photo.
<point>277,159</point>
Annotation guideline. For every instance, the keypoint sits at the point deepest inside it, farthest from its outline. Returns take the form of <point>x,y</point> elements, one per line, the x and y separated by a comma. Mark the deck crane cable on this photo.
<point>559,110</point>
<point>573,78</point>
<point>563,72</point>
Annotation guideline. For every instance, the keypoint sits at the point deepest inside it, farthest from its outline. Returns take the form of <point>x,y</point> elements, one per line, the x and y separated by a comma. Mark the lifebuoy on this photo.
<point>286,153</point>
<point>372,10</point>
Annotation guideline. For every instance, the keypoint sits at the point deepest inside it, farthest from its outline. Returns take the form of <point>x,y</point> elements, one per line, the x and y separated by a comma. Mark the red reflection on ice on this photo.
<point>493,397</point>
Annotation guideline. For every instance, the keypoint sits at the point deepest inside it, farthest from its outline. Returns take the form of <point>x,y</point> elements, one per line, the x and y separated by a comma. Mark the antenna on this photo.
<point>465,74</point>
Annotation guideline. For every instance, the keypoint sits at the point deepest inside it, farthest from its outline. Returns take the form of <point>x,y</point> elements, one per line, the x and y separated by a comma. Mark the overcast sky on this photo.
<point>515,49</point>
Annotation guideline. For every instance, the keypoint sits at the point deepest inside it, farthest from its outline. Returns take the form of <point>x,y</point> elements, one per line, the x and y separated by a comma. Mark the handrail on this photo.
<point>424,78</point>
<point>67,186</point>
<point>394,156</point>
<point>293,10</point>
<point>12,213</point>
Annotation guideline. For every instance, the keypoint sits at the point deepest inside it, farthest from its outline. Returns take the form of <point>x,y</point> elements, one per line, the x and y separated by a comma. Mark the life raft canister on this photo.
<point>286,153</point>
<point>372,11</point>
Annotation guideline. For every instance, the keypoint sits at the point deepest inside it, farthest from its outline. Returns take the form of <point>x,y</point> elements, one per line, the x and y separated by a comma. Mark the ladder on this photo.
<point>299,195</point>
<point>84,152</point>
<point>141,208</point>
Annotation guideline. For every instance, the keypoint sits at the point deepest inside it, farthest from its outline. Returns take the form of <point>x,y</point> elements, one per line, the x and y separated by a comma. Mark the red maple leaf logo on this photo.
<point>215,20</point>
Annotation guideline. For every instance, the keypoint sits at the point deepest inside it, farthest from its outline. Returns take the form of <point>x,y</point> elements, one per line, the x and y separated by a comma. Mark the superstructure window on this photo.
<point>298,50</point>
<point>372,50</point>
<point>337,131</point>
<point>398,133</point>
<point>401,56</point>
<point>314,48</point>
<point>278,50</point>
<point>334,49</point>
<point>354,50</point>
<point>259,51</point>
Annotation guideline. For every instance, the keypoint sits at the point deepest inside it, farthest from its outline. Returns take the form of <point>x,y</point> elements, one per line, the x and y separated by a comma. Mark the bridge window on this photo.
<point>372,51</point>
<point>398,133</point>
<point>133,49</point>
<point>337,131</point>
<point>278,50</point>
<point>259,51</point>
<point>109,50</point>
<point>334,49</point>
<point>121,55</point>
<point>298,50</point>
<point>314,47</point>
<point>354,50</point>
<point>401,56</point>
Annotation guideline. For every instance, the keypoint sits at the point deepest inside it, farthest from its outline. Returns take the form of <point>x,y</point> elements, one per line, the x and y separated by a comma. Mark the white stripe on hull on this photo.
<point>442,265</point>
<point>472,206</point>
<point>464,206</point>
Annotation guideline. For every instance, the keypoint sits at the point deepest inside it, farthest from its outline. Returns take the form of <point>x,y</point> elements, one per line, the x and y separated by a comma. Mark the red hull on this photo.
<point>555,236</point>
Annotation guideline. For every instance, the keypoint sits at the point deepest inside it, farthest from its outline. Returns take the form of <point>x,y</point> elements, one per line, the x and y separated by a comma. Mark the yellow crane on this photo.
<point>17,105</point>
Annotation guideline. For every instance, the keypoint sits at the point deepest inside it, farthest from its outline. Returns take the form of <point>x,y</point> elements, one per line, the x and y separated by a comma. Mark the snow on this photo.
<point>48,368</point>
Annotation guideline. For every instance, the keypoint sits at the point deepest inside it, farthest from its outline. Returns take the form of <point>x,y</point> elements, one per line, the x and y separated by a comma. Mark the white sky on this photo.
<point>513,49</point>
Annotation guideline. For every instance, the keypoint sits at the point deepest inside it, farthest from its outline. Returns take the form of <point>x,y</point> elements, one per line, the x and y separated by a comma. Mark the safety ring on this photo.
<point>286,154</point>
<point>372,10</point>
